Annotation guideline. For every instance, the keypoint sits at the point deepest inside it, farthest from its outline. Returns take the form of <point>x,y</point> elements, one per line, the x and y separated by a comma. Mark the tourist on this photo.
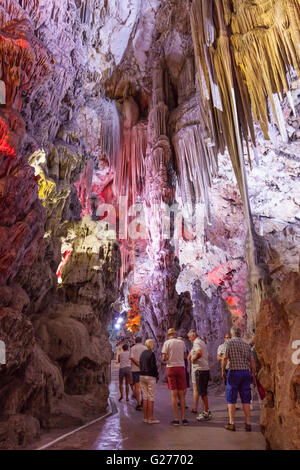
<point>256,387</point>
<point>125,370</point>
<point>173,353</point>
<point>198,359</point>
<point>148,378</point>
<point>187,374</point>
<point>238,377</point>
<point>135,355</point>
<point>220,354</point>
<point>221,351</point>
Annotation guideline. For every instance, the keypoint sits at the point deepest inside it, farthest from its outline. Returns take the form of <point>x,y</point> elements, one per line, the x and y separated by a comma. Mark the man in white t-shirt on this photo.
<point>174,353</point>
<point>135,355</point>
<point>198,359</point>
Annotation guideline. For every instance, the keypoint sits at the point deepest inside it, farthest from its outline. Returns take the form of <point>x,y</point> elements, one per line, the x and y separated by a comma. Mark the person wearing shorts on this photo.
<point>238,377</point>
<point>125,370</point>
<point>198,358</point>
<point>174,353</point>
<point>148,378</point>
<point>135,355</point>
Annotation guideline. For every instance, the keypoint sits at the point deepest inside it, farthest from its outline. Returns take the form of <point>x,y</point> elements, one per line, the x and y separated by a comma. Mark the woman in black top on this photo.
<point>148,378</point>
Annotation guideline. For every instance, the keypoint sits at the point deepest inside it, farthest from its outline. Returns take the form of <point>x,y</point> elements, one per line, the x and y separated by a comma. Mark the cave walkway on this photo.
<point>125,429</point>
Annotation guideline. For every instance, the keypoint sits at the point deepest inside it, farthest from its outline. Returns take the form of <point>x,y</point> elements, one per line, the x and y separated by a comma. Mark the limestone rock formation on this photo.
<point>43,152</point>
<point>278,328</point>
<point>212,320</point>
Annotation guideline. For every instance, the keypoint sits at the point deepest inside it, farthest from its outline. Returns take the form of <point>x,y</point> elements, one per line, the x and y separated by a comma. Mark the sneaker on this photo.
<point>175,422</point>
<point>153,421</point>
<point>146,420</point>
<point>230,427</point>
<point>138,407</point>
<point>194,411</point>
<point>248,427</point>
<point>185,422</point>
<point>204,416</point>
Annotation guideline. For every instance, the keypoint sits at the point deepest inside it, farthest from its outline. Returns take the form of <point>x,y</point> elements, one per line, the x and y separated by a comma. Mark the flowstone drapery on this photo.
<point>160,308</point>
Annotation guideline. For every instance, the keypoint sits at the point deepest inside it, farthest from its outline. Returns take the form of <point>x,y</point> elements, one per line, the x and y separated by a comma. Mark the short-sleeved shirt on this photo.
<point>239,354</point>
<point>124,358</point>
<point>175,349</point>
<point>202,362</point>
<point>135,353</point>
<point>221,352</point>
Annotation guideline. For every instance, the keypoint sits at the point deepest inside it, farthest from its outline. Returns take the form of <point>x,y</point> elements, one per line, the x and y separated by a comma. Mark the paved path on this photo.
<point>125,430</point>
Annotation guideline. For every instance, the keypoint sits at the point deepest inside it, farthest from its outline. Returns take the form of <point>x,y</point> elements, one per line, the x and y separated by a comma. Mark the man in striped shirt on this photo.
<point>241,362</point>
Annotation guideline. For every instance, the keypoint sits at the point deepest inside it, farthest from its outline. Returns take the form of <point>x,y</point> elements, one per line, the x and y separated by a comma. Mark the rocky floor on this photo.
<point>125,430</point>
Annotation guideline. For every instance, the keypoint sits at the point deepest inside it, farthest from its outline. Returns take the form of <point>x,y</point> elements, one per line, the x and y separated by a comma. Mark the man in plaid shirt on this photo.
<point>239,376</point>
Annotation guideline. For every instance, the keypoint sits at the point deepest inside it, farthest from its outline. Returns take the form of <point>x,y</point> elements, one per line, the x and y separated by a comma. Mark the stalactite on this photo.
<point>196,165</point>
<point>110,132</point>
<point>243,60</point>
<point>129,167</point>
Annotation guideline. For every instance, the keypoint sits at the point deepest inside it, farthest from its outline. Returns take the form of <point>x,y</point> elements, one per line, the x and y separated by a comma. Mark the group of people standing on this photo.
<point>139,369</point>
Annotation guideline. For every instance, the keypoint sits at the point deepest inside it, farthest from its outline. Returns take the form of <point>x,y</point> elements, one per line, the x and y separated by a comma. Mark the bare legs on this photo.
<point>126,387</point>
<point>205,403</point>
<point>182,403</point>
<point>231,411</point>
<point>196,397</point>
<point>137,393</point>
<point>174,403</point>
<point>178,395</point>
<point>121,388</point>
<point>145,406</point>
<point>246,408</point>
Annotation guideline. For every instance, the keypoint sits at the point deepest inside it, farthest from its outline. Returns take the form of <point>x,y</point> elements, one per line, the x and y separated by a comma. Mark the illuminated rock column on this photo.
<point>159,309</point>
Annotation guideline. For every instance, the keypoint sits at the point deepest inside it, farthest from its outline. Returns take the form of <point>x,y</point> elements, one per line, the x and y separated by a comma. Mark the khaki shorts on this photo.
<point>148,385</point>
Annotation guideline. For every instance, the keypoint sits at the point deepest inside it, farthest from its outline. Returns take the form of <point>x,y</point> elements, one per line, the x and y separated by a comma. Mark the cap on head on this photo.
<point>171,332</point>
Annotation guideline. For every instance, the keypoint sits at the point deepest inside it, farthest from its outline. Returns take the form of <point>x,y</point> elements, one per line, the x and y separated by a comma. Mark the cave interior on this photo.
<point>149,179</point>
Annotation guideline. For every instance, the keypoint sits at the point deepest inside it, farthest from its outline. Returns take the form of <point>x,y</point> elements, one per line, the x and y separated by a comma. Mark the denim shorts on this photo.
<point>238,382</point>
<point>136,377</point>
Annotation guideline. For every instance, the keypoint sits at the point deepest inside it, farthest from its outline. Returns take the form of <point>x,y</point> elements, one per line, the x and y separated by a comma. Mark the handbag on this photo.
<point>260,389</point>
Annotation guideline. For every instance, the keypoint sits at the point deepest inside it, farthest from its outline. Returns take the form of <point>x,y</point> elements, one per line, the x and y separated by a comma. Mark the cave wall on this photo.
<point>278,329</point>
<point>57,349</point>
